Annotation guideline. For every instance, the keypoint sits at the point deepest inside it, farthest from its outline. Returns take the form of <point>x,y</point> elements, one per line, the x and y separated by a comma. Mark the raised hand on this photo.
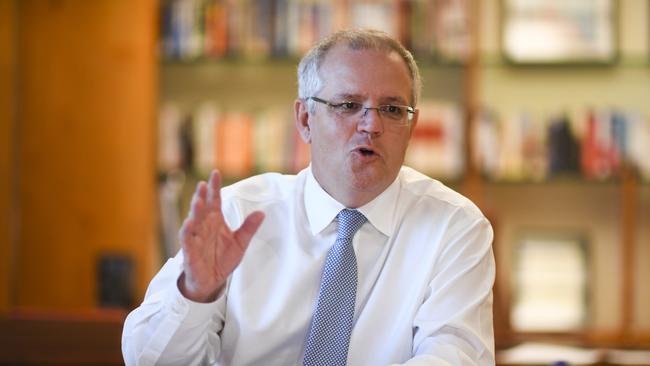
<point>211,249</point>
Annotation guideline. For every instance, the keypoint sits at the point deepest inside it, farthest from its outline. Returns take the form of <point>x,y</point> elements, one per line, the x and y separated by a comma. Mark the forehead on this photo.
<point>368,73</point>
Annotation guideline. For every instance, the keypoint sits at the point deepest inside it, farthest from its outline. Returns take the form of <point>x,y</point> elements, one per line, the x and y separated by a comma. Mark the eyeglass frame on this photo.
<point>410,111</point>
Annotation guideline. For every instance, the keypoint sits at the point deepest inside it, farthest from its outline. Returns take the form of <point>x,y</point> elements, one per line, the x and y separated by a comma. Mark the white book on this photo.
<point>204,137</point>
<point>271,133</point>
<point>169,140</point>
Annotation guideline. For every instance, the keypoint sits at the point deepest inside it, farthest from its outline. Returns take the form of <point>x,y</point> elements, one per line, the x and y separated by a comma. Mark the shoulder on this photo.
<point>267,187</point>
<point>268,192</point>
<point>421,190</point>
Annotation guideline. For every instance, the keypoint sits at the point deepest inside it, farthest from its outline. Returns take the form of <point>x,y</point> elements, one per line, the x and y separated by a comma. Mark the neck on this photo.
<point>349,195</point>
<point>352,199</point>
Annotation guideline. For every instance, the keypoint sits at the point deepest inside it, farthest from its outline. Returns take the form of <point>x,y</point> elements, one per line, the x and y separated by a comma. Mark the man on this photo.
<point>355,260</point>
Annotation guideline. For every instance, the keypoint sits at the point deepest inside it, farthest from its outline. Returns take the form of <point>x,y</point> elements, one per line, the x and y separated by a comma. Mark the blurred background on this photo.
<point>112,110</point>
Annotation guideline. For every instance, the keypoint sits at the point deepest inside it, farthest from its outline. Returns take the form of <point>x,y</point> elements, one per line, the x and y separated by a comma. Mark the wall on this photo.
<point>85,147</point>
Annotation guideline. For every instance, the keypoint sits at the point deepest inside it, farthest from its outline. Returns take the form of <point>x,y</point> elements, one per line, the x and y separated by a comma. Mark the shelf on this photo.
<point>566,180</point>
<point>242,85</point>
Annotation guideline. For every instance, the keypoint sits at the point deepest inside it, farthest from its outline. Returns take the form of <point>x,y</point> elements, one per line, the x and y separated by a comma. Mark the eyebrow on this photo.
<point>348,96</point>
<point>396,100</point>
<point>384,100</point>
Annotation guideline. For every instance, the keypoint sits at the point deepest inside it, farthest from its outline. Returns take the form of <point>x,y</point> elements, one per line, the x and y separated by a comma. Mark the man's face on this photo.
<point>356,158</point>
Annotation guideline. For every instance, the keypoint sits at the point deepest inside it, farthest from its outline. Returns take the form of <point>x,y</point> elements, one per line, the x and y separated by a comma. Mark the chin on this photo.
<point>368,181</point>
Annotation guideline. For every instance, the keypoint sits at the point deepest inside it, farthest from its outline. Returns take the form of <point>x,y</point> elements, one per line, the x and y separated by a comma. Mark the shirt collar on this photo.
<point>323,208</point>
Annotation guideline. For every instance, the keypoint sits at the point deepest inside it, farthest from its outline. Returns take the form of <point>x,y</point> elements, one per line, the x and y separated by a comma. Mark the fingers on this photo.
<point>198,209</point>
<point>246,231</point>
<point>192,244</point>
<point>214,191</point>
<point>205,201</point>
<point>186,233</point>
<point>207,197</point>
<point>202,190</point>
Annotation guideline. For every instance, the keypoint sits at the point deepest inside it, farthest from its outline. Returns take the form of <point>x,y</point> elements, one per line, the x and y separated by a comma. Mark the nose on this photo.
<point>371,122</point>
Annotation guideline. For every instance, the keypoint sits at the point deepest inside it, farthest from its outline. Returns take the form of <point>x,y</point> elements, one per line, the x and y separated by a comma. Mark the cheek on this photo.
<point>331,136</point>
<point>324,142</point>
<point>399,144</point>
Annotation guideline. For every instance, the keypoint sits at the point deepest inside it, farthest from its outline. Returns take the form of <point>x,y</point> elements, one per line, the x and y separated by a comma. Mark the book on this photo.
<point>204,138</point>
<point>637,146</point>
<point>563,147</point>
<point>216,28</point>
<point>235,144</point>
<point>298,153</point>
<point>272,130</point>
<point>511,159</point>
<point>486,142</point>
<point>436,146</point>
<point>170,151</point>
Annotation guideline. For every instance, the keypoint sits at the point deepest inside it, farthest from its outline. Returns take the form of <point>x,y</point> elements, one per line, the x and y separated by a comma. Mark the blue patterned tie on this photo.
<point>331,326</point>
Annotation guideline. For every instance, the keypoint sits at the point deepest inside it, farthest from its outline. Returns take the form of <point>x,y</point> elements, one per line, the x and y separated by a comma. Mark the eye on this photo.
<point>348,107</point>
<point>392,110</point>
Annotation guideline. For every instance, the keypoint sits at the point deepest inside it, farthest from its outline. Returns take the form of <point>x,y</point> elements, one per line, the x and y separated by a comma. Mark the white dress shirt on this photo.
<point>424,297</point>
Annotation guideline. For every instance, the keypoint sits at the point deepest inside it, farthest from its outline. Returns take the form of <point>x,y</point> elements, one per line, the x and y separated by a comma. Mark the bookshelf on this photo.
<point>252,48</point>
<point>610,210</point>
<point>253,79</point>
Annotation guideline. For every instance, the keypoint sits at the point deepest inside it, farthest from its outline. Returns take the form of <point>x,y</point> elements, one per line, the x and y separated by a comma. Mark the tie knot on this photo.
<point>349,222</point>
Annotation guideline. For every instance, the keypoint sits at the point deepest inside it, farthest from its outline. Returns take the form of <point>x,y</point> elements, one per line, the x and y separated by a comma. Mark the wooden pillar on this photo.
<point>85,147</point>
<point>7,102</point>
<point>629,212</point>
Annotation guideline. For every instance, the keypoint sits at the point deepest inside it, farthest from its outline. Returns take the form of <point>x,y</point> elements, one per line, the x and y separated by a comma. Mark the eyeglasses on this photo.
<point>395,114</point>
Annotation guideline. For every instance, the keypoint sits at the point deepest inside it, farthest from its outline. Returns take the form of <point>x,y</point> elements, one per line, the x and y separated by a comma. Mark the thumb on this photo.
<point>245,233</point>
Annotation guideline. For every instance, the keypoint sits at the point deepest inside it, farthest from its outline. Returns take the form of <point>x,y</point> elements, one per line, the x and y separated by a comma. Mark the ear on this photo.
<point>301,117</point>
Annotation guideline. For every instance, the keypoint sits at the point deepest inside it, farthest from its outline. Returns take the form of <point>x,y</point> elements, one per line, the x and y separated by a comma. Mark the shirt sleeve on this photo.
<point>168,329</point>
<point>453,326</point>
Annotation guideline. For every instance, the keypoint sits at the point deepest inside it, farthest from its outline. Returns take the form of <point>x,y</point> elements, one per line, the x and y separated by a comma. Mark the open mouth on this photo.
<point>366,151</point>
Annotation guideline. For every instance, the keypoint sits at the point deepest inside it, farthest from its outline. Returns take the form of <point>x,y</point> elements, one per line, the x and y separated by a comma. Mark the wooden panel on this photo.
<point>6,122</point>
<point>86,145</point>
<point>55,338</point>
<point>629,209</point>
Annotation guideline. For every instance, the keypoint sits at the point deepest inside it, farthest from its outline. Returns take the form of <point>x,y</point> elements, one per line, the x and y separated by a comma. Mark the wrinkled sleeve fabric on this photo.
<point>453,325</point>
<point>168,329</point>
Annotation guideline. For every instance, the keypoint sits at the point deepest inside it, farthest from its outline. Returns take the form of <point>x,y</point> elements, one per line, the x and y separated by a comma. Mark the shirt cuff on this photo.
<point>193,313</point>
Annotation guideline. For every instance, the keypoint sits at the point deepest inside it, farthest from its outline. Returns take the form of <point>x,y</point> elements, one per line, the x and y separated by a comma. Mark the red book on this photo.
<point>235,145</point>
<point>299,153</point>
